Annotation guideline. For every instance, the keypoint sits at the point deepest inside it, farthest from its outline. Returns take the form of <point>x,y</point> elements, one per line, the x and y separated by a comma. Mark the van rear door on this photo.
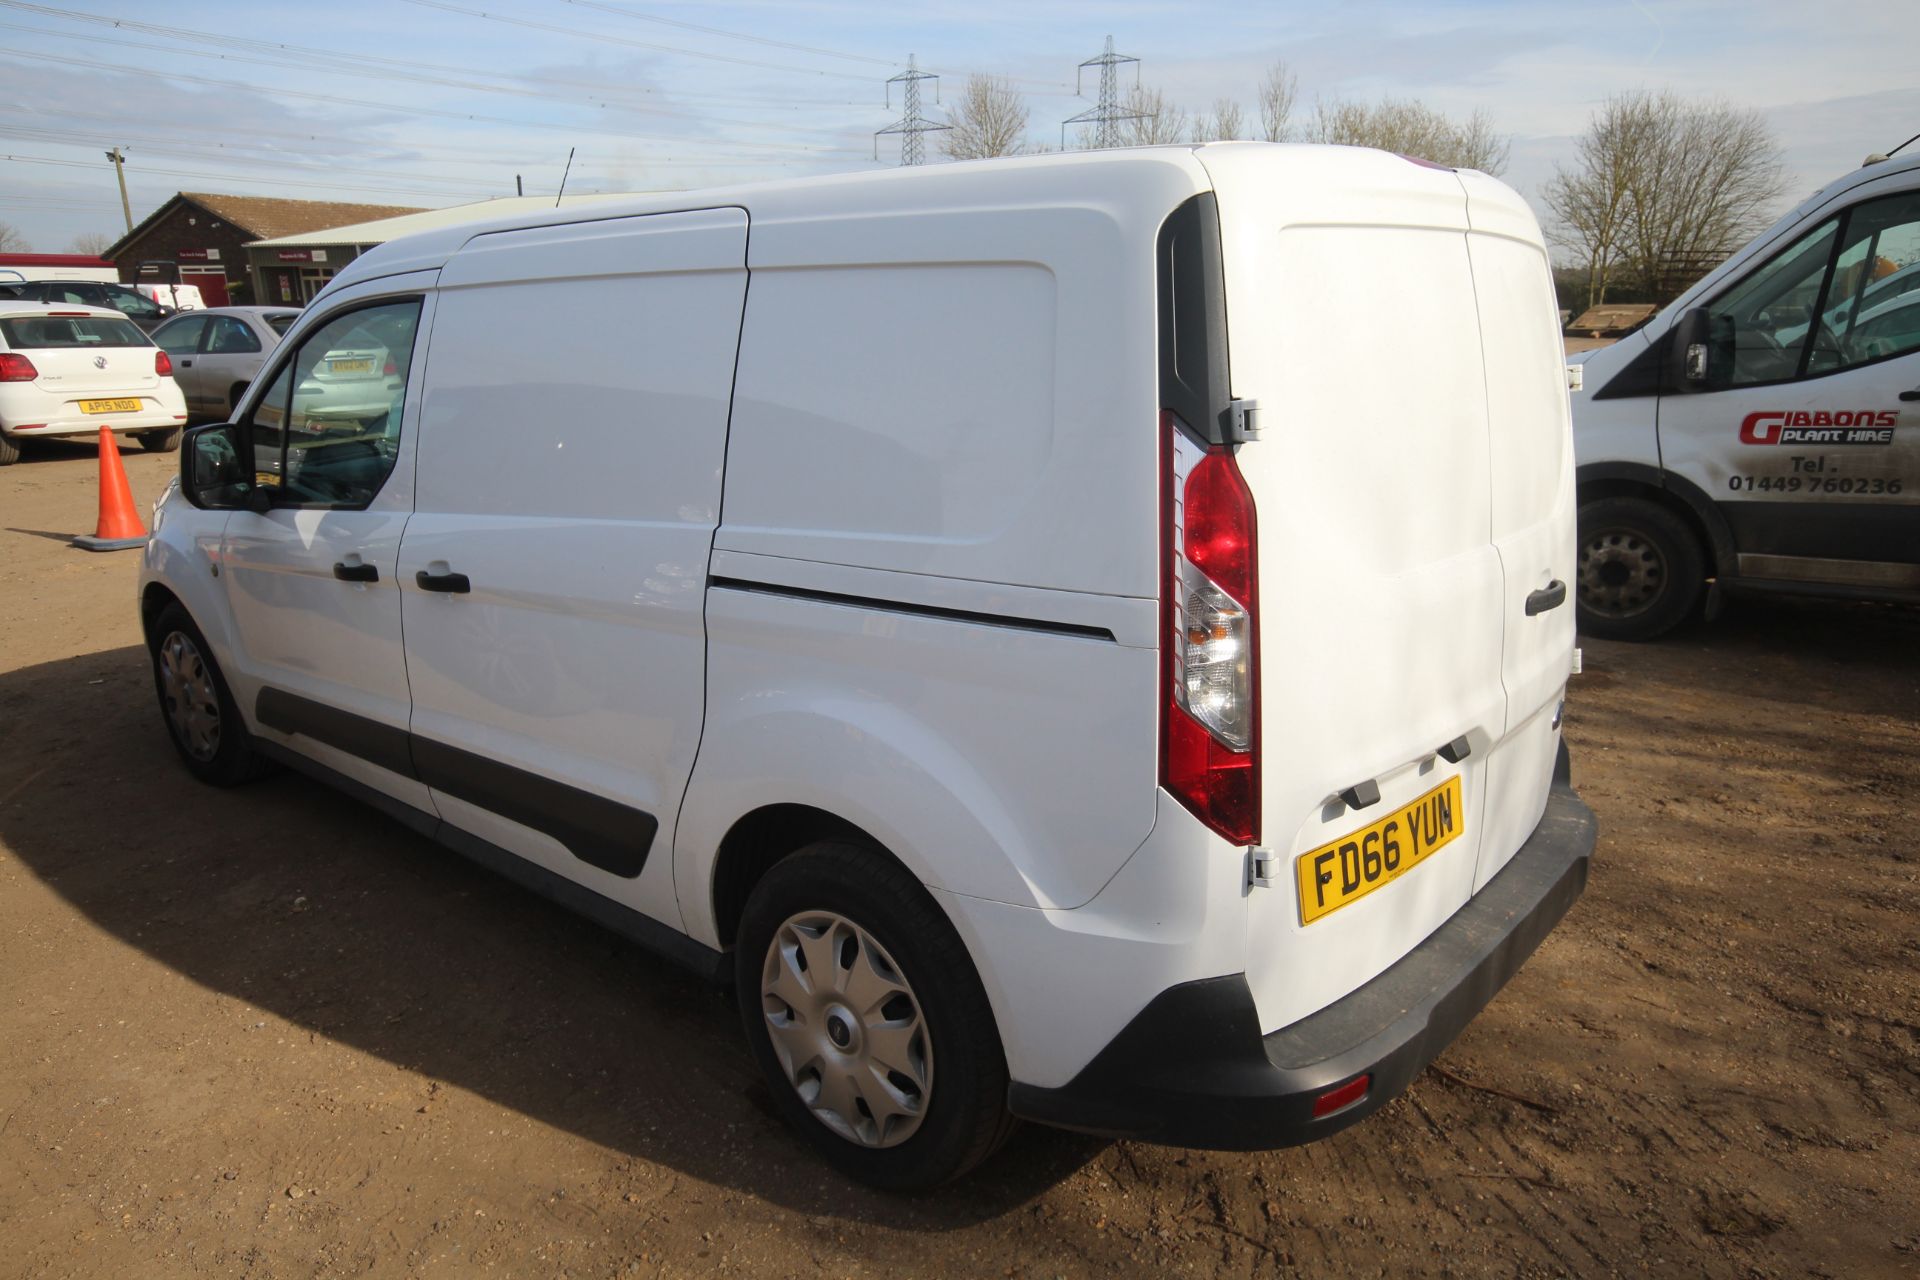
<point>1352,321</point>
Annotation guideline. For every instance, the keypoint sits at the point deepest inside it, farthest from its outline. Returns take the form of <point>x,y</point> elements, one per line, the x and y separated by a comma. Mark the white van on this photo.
<point>1764,430</point>
<point>1003,618</point>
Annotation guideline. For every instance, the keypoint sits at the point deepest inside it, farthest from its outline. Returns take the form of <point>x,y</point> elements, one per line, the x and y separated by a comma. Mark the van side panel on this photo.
<point>570,453</point>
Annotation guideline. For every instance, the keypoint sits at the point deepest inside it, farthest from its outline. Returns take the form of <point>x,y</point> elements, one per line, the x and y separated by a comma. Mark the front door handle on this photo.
<point>1911,396</point>
<point>1551,596</point>
<point>186,364</point>
<point>455,582</point>
<point>356,572</point>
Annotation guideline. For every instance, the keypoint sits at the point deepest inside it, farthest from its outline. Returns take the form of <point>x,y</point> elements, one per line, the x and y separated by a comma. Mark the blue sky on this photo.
<point>430,103</point>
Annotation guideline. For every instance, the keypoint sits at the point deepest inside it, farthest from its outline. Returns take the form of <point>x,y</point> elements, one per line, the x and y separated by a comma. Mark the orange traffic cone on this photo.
<point>119,525</point>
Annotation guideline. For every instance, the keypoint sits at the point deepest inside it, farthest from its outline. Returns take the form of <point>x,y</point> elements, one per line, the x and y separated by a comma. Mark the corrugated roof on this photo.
<point>382,230</point>
<point>270,216</point>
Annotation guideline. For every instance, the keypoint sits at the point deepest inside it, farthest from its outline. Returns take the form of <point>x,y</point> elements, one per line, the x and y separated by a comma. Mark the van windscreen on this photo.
<point>40,333</point>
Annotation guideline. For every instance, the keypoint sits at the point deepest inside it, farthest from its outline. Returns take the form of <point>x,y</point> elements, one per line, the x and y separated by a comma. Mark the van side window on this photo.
<point>1872,309</point>
<point>328,430</point>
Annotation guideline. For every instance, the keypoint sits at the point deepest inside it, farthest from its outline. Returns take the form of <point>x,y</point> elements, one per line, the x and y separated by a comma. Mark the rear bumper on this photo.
<point>120,424</point>
<point>1193,1070</point>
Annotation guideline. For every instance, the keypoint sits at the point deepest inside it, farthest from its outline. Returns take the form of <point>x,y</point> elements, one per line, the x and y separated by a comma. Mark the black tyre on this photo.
<point>1641,569</point>
<point>9,450</point>
<point>868,1019</point>
<point>161,441</point>
<point>199,712</point>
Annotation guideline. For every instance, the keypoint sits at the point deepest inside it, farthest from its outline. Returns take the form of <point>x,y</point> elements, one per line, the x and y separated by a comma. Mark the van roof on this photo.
<point>1095,177</point>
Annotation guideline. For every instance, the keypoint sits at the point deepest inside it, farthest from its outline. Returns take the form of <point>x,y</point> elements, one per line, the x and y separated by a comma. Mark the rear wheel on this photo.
<point>199,711</point>
<point>9,449</point>
<point>1641,569</point>
<point>161,441</point>
<point>868,1019</point>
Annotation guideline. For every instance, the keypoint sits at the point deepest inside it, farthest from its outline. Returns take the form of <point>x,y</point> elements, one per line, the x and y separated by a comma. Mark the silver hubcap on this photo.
<point>1621,573</point>
<point>847,1029</point>
<point>193,708</point>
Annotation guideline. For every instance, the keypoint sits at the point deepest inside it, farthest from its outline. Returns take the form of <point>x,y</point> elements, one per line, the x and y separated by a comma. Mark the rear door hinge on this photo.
<point>1262,866</point>
<point>1243,420</point>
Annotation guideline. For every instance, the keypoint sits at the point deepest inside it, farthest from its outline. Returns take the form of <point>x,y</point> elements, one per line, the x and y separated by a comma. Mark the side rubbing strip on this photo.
<point>376,743</point>
<point>917,610</point>
<point>600,832</point>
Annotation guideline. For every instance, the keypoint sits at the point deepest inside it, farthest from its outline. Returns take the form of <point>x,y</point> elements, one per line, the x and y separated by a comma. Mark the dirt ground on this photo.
<point>269,1033</point>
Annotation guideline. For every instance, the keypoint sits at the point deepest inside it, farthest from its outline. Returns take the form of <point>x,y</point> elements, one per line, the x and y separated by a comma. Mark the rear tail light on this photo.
<point>1210,735</point>
<point>16,368</point>
<point>163,364</point>
<point>390,370</point>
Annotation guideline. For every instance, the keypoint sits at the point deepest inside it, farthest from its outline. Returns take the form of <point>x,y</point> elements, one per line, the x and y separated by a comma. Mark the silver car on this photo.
<point>217,352</point>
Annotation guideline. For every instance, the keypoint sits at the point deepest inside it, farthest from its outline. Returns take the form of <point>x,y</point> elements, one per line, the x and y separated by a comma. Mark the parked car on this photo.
<point>1763,432</point>
<point>75,370</point>
<point>216,352</point>
<point>181,297</point>
<point>1051,724</point>
<point>142,310</point>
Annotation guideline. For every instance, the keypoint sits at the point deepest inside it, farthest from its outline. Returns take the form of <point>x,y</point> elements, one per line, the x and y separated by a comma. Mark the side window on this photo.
<point>1872,309</point>
<point>130,303</point>
<point>181,337</point>
<point>328,429</point>
<point>1759,327</point>
<point>229,336</point>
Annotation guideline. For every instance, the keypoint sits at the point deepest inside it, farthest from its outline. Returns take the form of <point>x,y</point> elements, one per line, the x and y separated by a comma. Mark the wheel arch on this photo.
<point>1676,493</point>
<point>154,597</point>
<point>764,837</point>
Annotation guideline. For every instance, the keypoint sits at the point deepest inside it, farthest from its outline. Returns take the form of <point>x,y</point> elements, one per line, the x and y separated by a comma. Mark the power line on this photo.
<point>912,124</point>
<point>1107,116</point>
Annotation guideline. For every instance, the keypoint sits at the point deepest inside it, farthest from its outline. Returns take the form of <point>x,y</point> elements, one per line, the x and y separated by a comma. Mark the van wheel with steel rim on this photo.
<point>866,1014</point>
<point>161,441</point>
<point>1641,569</point>
<point>199,711</point>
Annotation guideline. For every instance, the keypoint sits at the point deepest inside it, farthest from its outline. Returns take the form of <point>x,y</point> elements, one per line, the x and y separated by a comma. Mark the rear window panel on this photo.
<point>280,324</point>
<point>42,333</point>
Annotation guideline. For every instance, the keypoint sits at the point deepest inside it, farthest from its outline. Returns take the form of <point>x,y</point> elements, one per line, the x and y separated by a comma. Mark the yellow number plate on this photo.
<point>350,366</point>
<point>1355,865</point>
<point>109,406</point>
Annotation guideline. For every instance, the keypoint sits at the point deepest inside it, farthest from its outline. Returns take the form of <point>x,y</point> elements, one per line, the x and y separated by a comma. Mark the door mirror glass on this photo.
<point>213,468</point>
<point>1690,350</point>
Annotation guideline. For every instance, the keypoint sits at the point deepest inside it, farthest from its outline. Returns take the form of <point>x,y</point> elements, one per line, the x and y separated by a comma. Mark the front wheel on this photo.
<point>161,441</point>
<point>1641,569</point>
<point>868,1019</point>
<point>201,717</point>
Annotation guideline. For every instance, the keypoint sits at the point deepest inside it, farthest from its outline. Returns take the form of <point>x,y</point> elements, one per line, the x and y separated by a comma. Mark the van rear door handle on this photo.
<point>455,582</point>
<point>1551,596</point>
<point>356,572</point>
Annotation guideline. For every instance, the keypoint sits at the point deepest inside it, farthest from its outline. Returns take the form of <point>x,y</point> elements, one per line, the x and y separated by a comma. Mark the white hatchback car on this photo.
<point>72,370</point>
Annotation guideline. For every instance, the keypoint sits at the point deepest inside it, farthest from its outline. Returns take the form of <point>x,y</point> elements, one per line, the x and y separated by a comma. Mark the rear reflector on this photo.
<point>15,367</point>
<point>1341,1098</point>
<point>163,364</point>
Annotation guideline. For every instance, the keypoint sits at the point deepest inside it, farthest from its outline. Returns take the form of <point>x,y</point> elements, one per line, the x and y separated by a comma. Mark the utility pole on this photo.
<point>1108,115</point>
<point>912,124</point>
<point>126,207</point>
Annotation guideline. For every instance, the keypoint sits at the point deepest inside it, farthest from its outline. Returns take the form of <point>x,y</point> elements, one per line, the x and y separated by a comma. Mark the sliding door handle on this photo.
<point>454,582</point>
<point>356,572</point>
<point>1551,596</point>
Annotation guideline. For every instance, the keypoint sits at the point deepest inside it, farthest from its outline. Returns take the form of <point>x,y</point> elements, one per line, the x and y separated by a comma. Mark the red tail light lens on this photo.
<point>16,368</point>
<point>390,369</point>
<point>1210,746</point>
<point>163,364</point>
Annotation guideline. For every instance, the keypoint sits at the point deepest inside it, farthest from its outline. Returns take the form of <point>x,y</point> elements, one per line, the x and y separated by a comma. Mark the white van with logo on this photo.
<point>1764,430</point>
<point>997,617</point>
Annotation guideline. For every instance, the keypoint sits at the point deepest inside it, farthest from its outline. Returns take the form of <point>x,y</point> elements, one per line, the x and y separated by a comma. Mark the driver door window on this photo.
<point>327,431</point>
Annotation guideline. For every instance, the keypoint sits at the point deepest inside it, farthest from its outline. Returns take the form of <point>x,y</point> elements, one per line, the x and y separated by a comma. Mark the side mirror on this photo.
<point>213,468</point>
<point>167,312</point>
<point>1689,351</point>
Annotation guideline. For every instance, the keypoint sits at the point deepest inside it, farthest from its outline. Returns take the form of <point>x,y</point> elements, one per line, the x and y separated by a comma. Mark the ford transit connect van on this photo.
<point>1003,618</point>
<point>1764,430</point>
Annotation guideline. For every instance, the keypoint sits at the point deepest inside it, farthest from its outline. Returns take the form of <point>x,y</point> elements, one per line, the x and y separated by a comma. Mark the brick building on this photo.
<point>207,235</point>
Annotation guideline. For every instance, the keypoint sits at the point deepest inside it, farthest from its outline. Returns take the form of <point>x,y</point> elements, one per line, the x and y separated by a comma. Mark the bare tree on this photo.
<point>1278,90</point>
<point>1156,120</point>
<point>1412,129</point>
<point>91,242</point>
<point>1225,124</point>
<point>990,119</point>
<point>11,241</point>
<point>1662,189</point>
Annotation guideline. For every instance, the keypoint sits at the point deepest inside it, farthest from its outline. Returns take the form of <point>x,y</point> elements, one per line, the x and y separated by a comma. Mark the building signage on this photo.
<point>301,255</point>
<point>199,255</point>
